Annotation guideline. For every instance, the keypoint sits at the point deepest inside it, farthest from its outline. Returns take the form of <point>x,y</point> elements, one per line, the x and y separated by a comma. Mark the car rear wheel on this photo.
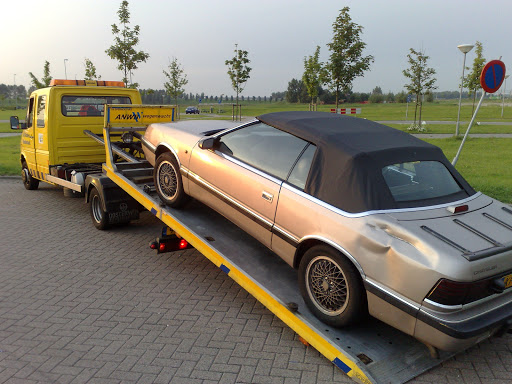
<point>28,181</point>
<point>331,287</point>
<point>168,182</point>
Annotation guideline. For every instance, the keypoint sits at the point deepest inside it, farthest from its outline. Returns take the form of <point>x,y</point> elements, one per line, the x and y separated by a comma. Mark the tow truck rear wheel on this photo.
<point>168,182</point>
<point>98,215</point>
<point>331,287</point>
<point>28,181</point>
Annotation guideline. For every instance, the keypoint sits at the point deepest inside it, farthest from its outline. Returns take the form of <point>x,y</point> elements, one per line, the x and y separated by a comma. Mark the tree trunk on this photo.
<point>421,107</point>
<point>474,99</point>
<point>337,93</point>
<point>415,109</point>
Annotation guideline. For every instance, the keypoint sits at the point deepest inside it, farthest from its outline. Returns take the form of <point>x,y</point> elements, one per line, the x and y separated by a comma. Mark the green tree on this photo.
<point>296,92</point>
<point>90,71</point>
<point>177,79</point>
<point>123,49</point>
<point>421,79</point>
<point>346,61</point>
<point>45,80</point>
<point>313,74</point>
<point>238,70</point>
<point>472,80</point>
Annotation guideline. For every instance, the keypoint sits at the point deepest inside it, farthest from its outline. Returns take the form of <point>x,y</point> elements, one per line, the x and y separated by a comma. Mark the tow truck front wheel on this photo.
<point>168,182</point>
<point>28,181</point>
<point>98,215</point>
<point>331,287</point>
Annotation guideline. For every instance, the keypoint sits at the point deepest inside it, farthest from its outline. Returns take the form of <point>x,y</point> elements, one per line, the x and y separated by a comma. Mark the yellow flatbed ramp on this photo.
<point>372,352</point>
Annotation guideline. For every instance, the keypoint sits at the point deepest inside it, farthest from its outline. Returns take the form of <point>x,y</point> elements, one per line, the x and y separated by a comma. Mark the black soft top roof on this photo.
<point>351,152</point>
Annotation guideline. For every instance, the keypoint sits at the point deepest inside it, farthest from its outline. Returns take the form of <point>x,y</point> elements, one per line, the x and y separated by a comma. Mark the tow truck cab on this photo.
<point>54,148</point>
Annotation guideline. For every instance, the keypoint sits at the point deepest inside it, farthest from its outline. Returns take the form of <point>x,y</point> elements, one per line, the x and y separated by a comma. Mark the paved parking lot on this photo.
<point>79,305</point>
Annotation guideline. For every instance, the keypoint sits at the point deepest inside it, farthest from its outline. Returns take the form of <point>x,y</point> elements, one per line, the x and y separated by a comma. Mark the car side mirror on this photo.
<point>15,123</point>
<point>208,143</point>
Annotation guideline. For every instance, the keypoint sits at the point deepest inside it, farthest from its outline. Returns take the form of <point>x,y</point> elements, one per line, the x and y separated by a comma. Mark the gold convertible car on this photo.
<point>376,221</point>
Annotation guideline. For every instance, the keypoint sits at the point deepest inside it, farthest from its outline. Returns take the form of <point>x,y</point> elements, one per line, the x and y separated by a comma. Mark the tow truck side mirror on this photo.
<point>15,123</point>
<point>208,143</point>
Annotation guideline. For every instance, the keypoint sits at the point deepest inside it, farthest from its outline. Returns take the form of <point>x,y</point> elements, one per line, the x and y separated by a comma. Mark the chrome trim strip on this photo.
<point>412,309</point>
<point>442,306</point>
<point>147,144</point>
<point>368,213</point>
<point>235,204</point>
<point>221,133</point>
<point>446,321</point>
<point>288,237</point>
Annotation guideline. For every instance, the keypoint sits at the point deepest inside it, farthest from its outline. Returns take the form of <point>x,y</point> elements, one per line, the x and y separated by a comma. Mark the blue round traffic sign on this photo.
<point>492,76</point>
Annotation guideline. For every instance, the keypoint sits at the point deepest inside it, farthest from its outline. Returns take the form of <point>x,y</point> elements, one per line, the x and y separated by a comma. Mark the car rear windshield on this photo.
<point>420,180</point>
<point>89,105</point>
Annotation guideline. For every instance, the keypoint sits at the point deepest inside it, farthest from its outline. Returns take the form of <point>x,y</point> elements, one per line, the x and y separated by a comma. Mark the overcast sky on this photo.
<point>278,34</point>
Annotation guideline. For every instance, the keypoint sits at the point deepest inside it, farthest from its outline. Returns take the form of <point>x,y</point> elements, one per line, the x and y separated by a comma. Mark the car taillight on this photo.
<point>448,292</point>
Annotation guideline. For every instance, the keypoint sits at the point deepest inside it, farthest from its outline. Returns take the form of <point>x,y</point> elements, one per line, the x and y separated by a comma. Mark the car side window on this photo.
<point>300,172</point>
<point>263,147</point>
<point>30,112</point>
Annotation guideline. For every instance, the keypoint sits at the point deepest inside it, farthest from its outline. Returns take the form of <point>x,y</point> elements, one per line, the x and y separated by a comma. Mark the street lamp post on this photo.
<point>464,48</point>
<point>504,91</point>
<point>65,71</point>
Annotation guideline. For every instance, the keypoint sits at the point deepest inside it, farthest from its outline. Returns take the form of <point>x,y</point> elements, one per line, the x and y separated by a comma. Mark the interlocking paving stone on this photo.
<point>78,305</point>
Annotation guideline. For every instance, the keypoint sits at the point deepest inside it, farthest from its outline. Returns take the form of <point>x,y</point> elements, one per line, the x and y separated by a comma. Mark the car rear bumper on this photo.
<point>461,329</point>
<point>449,331</point>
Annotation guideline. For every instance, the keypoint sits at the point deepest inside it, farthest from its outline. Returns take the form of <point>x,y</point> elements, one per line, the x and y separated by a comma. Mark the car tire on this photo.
<point>332,287</point>
<point>168,181</point>
<point>98,215</point>
<point>28,181</point>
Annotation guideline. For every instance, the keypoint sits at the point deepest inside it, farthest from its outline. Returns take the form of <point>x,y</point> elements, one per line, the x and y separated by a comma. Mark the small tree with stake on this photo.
<point>346,61</point>
<point>238,72</point>
<point>421,78</point>
<point>472,80</point>
<point>177,79</point>
<point>123,49</point>
<point>313,74</point>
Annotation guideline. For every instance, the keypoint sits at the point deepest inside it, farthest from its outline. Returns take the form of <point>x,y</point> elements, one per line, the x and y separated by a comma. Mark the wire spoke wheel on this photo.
<point>167,180</point>
<point>327,285</point>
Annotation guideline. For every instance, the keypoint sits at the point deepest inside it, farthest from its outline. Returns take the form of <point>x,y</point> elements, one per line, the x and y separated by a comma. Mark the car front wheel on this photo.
<point>168,182</point>
<point>331,287</point>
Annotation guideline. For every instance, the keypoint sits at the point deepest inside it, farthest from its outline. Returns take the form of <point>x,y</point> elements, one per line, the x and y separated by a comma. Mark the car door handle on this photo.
<point>267,196</point>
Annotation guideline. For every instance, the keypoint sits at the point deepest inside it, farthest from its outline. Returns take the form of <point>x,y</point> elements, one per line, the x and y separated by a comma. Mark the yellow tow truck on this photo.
<point>55,147</point>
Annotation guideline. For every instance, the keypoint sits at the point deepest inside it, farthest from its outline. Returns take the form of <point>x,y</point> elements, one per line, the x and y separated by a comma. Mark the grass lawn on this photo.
<point>484,163</point>
<point>450,128</point>
<point>6,113</point>
<point>9,156</point>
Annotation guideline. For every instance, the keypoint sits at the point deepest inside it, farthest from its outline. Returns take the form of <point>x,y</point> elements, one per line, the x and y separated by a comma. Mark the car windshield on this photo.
<point>419,180</point>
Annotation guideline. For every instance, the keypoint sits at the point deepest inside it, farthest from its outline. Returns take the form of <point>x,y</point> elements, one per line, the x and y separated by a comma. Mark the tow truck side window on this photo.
<point>89,105</point>
<point>41,108</point>
<point>30,112</point>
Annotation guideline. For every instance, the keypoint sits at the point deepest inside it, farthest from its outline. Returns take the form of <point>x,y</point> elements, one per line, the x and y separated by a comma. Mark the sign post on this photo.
<point>491,78</point>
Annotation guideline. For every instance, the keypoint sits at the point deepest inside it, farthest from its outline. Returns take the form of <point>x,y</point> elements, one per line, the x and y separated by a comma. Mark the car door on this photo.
<point>242,175</point>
